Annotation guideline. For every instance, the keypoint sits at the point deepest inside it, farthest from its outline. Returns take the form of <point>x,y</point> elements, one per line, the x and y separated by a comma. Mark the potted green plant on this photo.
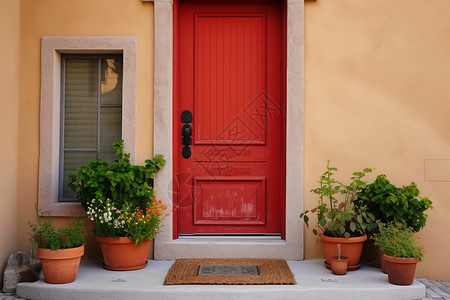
<point>338,219</point>
<point>120,199</point>
<point>400,252</point>
<point>389,203</point>
<point>60,249</point>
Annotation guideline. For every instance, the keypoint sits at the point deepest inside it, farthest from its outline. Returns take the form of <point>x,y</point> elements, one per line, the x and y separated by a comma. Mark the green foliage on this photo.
<point>45,235</point>
<point>337,216</point>
<point>389,203</point>
<point>119,197</point>
<point>396,240</point>
<point>120,181</point>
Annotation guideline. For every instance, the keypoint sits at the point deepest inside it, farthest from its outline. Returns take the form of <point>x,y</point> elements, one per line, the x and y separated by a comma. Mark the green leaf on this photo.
<point>322,222</point>
<point>352,226</point>
<point>331,225</point>
<point>306,219</point>
<point>359,219</point>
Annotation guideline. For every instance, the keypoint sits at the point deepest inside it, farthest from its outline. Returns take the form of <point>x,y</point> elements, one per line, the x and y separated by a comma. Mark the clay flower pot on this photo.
<point>350,247</point>
<point>371,254</point>
<point>339,265</point>
<point>383,263</point>
<point>400,270</point>
<point>60,266</point>
<point>122,254</point>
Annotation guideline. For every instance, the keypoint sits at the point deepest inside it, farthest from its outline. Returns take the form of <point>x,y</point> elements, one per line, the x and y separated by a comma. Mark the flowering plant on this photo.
<point>137,224</point>
<point>45,235</point>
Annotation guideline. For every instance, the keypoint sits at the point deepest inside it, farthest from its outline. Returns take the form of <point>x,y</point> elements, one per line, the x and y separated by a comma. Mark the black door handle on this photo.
<point>186,132</point>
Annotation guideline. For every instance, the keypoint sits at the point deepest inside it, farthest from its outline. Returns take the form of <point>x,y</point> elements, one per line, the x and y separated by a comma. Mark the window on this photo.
<point>91,113</point>
<point>72,135</point>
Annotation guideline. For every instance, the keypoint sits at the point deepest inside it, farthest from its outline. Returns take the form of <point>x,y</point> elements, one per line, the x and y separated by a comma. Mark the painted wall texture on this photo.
<point>9,99</point>
<point>76,18</point>
<point>376,95</point>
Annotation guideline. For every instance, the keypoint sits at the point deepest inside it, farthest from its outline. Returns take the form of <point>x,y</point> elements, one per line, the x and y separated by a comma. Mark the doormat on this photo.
<point>230,271</point>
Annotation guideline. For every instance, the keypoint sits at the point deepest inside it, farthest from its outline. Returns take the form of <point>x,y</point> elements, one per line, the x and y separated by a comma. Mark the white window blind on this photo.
<point>91,113</point>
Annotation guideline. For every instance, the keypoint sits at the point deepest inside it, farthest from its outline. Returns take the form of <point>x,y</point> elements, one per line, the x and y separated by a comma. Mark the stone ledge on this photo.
<point>314,281</point>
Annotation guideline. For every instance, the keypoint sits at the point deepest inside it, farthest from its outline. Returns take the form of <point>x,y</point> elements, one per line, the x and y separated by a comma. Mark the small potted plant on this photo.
<point>339,263</point>
<point>400,252</point>
<point>120,199</point>
<point>338,219</point>
<point>60,249</point>
<point>389,203</point>
<point>125,234</point>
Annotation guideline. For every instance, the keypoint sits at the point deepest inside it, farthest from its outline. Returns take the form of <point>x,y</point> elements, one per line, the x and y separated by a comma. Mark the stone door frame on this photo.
<point>292,247</point>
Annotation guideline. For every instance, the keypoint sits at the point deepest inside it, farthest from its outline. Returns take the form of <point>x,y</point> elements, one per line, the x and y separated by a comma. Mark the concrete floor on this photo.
<point>314,281</point>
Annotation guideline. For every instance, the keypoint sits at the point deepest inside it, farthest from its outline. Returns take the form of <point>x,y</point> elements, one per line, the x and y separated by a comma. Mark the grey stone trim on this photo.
<point>291,248</point>
<point>51,50</point>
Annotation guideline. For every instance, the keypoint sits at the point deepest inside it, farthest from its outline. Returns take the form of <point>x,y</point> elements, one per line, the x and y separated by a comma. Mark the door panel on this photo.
<point>229,200</point>
<point>229,74</point>
<point>230,71</point>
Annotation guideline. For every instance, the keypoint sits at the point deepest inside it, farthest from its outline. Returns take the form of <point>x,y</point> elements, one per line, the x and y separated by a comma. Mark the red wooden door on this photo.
<point>229,73</point>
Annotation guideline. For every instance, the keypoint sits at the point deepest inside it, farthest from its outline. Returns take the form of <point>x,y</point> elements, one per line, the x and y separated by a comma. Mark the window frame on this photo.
<point>50,111</point>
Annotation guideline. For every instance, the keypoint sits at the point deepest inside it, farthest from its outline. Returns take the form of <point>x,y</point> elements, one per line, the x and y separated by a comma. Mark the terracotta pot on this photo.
<point>350,247</point>
<point>339,265</point>
<point>60,266</point>
<point>371,254</point>
<point>122,254</point>
<point>400,270</point>
<point>383,263</point>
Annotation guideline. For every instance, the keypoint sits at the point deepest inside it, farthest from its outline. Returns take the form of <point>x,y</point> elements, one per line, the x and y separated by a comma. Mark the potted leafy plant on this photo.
<point>120,199</point>
<point>389,203</point>
<point>60,249</point>
<point>400,252</point>
<point>338,219</point>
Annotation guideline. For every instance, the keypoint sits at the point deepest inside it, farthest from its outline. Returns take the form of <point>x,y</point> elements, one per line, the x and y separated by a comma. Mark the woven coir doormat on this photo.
<point>230,271</point>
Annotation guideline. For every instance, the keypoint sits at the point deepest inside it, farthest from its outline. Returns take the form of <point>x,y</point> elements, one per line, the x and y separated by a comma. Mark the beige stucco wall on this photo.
<point>76,18</point>
<point>377,75</point>
<point>9,99</point>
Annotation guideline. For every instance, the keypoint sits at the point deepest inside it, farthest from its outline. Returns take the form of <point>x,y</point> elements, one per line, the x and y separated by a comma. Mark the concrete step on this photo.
<point>314,281</point>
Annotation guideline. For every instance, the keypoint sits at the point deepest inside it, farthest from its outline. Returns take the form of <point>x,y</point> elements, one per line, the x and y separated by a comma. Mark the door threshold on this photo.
<point>229,236</point>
